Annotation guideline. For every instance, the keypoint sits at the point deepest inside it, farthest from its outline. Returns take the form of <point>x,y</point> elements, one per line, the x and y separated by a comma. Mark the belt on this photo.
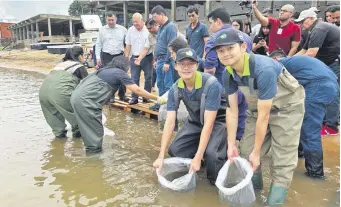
<point>136,56</point>
<point>115,54</point>
<point>161,57</point>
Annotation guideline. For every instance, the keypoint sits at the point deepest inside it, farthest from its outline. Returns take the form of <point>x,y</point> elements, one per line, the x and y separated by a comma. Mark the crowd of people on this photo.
<point>276,86</point>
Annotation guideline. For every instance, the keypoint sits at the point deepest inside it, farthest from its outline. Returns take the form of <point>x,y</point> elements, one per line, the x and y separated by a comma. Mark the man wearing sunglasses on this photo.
<point>196,33</point>
<point>283,34</point>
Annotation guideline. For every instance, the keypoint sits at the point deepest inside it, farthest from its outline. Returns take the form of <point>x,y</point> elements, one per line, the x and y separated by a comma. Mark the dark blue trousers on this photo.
<point>319,94</point>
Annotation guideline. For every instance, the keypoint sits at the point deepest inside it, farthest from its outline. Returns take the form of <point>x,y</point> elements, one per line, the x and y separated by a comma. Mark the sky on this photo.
<point>24,9</point>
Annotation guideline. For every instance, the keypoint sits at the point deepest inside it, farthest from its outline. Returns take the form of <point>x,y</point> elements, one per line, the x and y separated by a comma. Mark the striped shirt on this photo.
<point>111,40</point>
<point>150,43</point>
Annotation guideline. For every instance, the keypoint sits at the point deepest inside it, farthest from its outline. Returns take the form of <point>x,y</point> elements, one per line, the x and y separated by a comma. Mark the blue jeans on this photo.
<point>154,77</point>
<point>319,94</point>
<point>164,80</point>
<point>147,67</point>
<point>333,110</point>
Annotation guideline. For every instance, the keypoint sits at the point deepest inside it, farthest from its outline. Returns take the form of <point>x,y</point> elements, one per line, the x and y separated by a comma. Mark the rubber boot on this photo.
<point>62,134</point>
<point>300,151</point>
<point>276,195</point>
<point>257,179</point>
<point>314,164</point>
<point>75,132</point>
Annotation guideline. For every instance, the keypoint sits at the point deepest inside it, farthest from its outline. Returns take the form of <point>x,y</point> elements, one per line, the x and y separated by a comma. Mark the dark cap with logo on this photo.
<point>186,53</point>
<point>228,37</point>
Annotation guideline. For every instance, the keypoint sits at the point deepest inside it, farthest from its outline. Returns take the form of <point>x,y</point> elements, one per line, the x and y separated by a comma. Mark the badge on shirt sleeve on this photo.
<point>279,31</point>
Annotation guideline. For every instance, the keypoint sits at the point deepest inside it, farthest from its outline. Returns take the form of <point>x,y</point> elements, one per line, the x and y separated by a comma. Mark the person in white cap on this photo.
<point>323,42</point>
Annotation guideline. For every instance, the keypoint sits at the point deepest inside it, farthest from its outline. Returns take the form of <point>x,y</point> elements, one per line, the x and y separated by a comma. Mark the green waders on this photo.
<point>87,102</point>
<point>54,97</point>
<point>283,134</point>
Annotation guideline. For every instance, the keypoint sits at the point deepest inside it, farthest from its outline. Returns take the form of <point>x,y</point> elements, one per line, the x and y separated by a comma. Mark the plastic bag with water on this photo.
<point>234,183</point>
<point>107,131</point>
<point>182,113</point>
<point>174,174</point>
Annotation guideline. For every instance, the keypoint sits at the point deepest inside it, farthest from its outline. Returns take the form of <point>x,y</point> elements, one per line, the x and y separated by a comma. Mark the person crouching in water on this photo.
<point>204,134</point>
<point>56,90</point>
<point>94,92</point>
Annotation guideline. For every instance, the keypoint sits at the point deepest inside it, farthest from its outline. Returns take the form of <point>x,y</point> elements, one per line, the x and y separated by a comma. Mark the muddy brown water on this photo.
<point>38,170</point>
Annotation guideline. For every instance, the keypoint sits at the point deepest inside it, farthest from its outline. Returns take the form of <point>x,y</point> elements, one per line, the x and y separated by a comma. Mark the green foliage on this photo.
<point>78,8</point>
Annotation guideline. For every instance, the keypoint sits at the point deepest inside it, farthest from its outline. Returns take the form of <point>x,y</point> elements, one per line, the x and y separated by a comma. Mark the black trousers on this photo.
<point>106,59</point>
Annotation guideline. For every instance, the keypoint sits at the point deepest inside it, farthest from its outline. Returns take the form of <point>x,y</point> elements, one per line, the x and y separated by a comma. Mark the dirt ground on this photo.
<point>37,60</point>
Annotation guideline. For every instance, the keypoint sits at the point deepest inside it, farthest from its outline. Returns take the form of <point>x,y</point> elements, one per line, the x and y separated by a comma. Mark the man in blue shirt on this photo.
<point>321,88</point>
<point>164,66</point>
<point>166,33</point>
<point>275,112</point>
<point>219,20</point>
<point>196,33</point>
<point>204,134</point>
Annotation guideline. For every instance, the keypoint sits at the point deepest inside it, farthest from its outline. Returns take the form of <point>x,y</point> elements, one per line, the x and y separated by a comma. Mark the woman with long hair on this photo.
<point>238,25</point>
<point>56,90</point>
<point>261,41</point>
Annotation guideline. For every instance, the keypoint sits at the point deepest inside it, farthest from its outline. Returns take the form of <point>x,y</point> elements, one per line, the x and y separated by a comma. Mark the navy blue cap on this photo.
<point>228,37</point>
<point>186,53</point>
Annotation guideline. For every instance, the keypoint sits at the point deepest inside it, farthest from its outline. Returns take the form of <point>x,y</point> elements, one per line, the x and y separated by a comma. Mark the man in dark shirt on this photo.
<point>219,19</point>
<point>335,12</point>
<point>196,33</point>
<point>323,43</point>
<point>283,34</point>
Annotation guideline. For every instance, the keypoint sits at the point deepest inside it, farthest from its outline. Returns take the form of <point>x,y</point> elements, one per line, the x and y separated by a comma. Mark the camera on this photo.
<point>246,3</point>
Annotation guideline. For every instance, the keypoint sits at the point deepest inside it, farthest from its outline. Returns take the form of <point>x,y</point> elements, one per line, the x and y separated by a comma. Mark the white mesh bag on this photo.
<point>174,174</point>
<point>234,183</point>
<point>181,115</point>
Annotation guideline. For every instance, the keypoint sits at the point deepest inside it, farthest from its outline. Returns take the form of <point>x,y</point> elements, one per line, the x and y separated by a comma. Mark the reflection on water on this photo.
<point>39,170</point>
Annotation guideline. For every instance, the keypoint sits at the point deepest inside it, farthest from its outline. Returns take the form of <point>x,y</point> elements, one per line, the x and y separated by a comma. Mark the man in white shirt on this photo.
<point>110,44</point>
<point>136,38</point>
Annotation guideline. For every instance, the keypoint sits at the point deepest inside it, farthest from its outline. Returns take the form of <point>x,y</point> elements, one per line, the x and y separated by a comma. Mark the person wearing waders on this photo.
<point>275,112</point>
<point>94,92</point>
<point>56,90</point>
<point>203,136</point>
<point>321,88</point>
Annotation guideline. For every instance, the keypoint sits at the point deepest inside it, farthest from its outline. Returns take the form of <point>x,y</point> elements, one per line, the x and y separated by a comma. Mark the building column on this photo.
<point>146,10</point>
<point>173,10</point>
<point>27,32</point>
<point>49,26</point>
<point>23,32</point>
<point>32,32</point>
<point>314,3</point>
<point>71,33</point>
<point>207,7</point>
<point>19,33</point>
<point>16,33</point>
<point>125,13</point>
<point>37,31</point>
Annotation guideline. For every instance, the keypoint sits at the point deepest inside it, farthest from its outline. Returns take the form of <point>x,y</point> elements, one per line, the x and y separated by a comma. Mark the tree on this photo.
<point>78,8</point>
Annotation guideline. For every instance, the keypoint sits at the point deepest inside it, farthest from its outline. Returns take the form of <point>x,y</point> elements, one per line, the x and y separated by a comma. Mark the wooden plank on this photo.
<point>141,108</point>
